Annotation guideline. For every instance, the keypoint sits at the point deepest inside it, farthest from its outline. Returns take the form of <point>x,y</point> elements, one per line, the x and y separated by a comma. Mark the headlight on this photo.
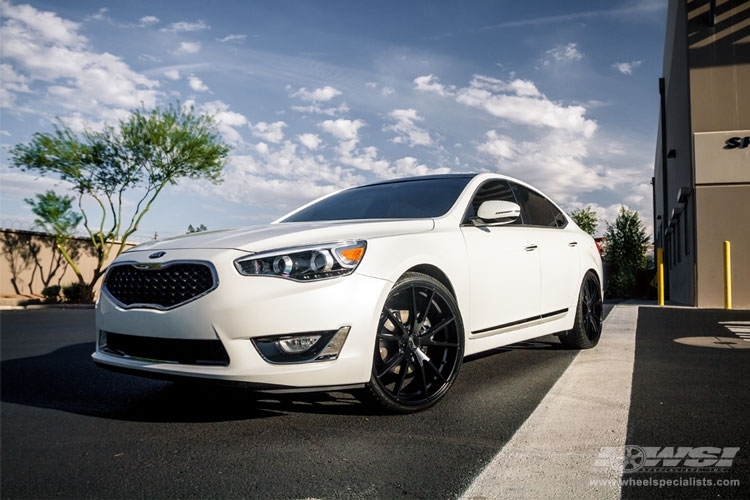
<point>305,263</point>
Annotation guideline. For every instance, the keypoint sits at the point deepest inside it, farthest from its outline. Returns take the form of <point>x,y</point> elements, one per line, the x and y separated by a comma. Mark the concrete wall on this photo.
<point>26,269</point>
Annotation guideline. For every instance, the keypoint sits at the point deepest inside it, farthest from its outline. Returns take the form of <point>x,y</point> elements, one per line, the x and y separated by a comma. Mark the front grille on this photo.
<point>161,287</point>
<point>186,352</point>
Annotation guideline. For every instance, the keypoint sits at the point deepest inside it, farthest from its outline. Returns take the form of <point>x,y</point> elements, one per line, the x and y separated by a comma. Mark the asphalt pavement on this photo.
<point>690,390</point>
<point>677,429</point>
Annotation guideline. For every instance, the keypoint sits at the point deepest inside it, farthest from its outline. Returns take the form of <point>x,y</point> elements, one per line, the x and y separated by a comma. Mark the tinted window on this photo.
<point>412,199</point>
<point>490,190</point>
<point>536,210</point>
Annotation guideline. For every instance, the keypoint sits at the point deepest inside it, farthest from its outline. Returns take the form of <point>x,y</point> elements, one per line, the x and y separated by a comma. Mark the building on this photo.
<point>702,169</point>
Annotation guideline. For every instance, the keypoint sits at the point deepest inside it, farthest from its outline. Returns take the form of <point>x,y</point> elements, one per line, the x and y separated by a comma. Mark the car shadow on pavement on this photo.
<point>68,380</point>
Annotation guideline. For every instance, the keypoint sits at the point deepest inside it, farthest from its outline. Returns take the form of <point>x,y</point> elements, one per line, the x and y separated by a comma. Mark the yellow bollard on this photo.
<point>660,275</point>
<point>727,275</point>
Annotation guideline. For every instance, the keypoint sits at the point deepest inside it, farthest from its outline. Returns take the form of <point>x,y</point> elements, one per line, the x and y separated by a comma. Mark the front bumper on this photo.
<point>241,308</point>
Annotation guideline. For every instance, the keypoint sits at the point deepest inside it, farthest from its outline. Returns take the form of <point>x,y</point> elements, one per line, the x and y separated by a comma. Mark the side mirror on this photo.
<point>498,212</point>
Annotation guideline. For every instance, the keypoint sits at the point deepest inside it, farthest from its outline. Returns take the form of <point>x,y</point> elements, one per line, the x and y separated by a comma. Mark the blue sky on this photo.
<point>315,96</point>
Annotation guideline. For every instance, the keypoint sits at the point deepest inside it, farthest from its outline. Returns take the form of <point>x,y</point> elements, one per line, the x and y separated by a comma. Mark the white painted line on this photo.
<point>552,455</point>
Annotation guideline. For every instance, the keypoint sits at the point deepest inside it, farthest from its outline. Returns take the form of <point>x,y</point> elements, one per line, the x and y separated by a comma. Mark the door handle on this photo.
<point>530,248</point>
<point>573,244</point>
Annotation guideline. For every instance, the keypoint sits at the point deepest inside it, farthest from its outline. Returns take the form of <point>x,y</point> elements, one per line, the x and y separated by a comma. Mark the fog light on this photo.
<point>302,347</point>
<point>296,345</point>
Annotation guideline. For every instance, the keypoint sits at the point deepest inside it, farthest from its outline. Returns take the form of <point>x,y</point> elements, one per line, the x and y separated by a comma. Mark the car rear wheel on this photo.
<point>587,327</point>
<point>419,345</point>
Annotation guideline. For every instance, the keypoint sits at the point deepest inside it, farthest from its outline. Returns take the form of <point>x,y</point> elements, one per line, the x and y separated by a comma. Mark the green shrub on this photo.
<point>51,293</point>
<point>78,293</point>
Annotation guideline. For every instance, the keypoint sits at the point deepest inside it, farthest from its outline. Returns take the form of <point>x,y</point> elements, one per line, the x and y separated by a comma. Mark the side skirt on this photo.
<point>523,323</point>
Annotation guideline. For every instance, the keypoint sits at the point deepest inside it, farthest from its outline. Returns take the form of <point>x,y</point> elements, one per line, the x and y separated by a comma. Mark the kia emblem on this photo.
<point>156,255</point>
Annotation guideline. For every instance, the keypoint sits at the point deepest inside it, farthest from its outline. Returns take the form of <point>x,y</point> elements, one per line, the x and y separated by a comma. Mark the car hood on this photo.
<point>288,234</point>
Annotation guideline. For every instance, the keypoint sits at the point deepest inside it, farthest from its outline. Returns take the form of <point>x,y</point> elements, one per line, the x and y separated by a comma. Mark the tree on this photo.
<point>147,152</point>
<point>198,229</point>
<point>586,219</point>
<point>55,215</point>
<point>625,252</point>
<point>19,251</point>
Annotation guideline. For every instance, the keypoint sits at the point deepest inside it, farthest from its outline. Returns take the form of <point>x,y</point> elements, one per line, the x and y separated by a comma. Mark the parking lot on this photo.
<point>72,430</point>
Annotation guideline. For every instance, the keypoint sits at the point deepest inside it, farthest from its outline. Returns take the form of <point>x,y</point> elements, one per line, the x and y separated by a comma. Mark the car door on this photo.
<point>557,249</point>
<point>503,267</point>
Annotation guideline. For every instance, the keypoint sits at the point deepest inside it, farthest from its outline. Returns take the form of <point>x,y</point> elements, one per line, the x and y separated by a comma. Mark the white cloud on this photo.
<point>431,83</point>
<point>365,159</point>
<point>271,132</point>
<point>226,120</point>
<point>385,91</point>
<point>520,103</point>
<point>12,83</point>
<point>407,131</point>
<point>29,24</point>
<point>323,94</point>
<point>315,109</point>
<point>409,166</point>
<point>555,162</point>
<point>197,84</point>
<point>310,141</point>
<point>101,15</point>
<point>47,52</point>
<point>626,68</point>
<point>189,47</point>
<point>20,184</point>
<point>562,54</point>
<point>183,26</point>
<point>343,129</point>
<point>148,20</point>
<point>499,146</point>
<point>279,177</point>
<point>172,74</point>
<point>232,38</point>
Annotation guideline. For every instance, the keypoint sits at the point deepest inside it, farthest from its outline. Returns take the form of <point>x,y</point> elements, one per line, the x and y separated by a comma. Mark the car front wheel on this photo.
<point>419,345</point>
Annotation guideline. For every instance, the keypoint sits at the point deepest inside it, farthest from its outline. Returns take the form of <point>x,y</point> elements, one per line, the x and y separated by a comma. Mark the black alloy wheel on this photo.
<point>587,327</point>
<point>419,345</point>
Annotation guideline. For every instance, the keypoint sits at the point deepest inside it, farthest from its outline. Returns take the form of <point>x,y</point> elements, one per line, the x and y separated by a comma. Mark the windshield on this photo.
<point>406,199</point>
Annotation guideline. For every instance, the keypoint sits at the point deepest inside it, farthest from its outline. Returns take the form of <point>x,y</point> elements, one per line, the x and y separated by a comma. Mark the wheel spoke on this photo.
<point>395,321</point>
<point>388,336</point>
<point>423,379</point>
<point>398,358</point>
<point>436,328</point>
<point>400,382</point>
<point>413,316</point>
<point>426,311</point>
<point>437,372</point>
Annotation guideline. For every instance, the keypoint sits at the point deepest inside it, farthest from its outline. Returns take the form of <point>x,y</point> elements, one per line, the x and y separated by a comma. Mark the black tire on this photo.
<point>587,328</point>
<point>419,345</point>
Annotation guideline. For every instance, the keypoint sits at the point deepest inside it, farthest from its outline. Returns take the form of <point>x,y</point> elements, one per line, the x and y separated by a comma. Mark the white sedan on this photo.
<point>384,288</point>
